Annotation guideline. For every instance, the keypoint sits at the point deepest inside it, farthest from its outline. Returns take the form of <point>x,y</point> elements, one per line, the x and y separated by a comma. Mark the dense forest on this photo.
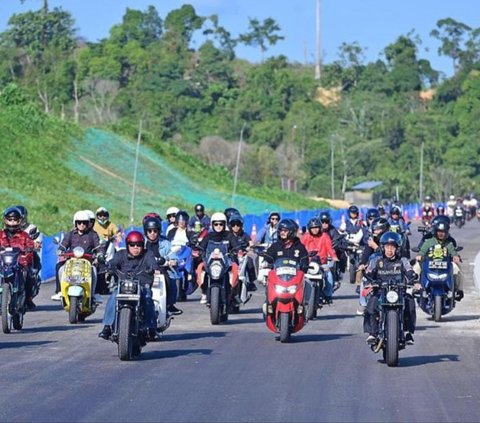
<point>360,121</point>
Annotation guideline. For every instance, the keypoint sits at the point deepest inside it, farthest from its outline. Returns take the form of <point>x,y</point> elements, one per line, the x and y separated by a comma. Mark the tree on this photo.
<point>261,34</point>
<point>184,22</point>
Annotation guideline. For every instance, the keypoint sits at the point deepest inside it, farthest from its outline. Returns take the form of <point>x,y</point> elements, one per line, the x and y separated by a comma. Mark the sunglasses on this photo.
<point>219,224</point>
<point>82,222</point>
<point>274,218</point>
<point>12,219</point>
<point>236,224</point>
<point>135,244</point>
<point>152,230</point>
<point>102,215</point>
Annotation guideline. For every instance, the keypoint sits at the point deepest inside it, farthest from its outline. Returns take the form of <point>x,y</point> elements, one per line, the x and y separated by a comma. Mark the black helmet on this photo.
<point>276,214</point>
<point>229,211</point>
<point>353,209</point>
<point>235,218</point>
<point>380,223</point>
<point>24,212</point>
<point>290,225</point>
<point>12,213</point>
<point>428,198</point>
<point>199,208</point>
<point>391,238</point>
<point>325,217</point>
<point>152,223</point>
<point>182,215</point>
<point>441,225</point>
<point>440,219</point>
<point>314,222</point>
<point>373,213</point>
<point>395,210</point>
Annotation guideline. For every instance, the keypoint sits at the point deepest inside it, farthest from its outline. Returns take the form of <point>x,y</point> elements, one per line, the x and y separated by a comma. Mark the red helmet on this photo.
<point>135,236</point>
<point>153,214</point>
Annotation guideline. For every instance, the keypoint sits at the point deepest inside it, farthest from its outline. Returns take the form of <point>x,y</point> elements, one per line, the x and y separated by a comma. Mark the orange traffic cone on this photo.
<point>253,235</point>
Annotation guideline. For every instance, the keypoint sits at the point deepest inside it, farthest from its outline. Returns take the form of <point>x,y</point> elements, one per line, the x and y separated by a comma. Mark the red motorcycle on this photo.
<point>285,308</point>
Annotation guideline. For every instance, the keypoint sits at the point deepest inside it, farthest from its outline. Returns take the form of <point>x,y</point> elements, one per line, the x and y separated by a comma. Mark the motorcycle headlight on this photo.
<point>216,270</point>
<point>392,297</point>
<point>7,259</point>
<point>313,268</point>
<point>128,287</point>
<point>437,276</point>
<point>292,289</point>
<point>78,252</point>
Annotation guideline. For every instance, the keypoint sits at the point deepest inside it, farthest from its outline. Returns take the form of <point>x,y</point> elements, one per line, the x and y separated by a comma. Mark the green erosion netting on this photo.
<point>109,160</point>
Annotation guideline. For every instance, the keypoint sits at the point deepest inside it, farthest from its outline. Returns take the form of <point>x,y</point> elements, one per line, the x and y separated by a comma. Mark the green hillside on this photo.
<point>55,168</point>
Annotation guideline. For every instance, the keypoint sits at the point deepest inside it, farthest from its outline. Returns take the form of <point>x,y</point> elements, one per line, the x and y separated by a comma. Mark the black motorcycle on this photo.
<point>12,278</point>
<point>391,306</point>
<point>314,285</point>
<point>459,217</point>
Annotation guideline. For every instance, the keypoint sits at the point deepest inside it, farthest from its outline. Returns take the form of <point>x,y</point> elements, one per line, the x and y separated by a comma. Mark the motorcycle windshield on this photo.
<point>10,256</point>
<point>285,269</point>
<point>217,251</point>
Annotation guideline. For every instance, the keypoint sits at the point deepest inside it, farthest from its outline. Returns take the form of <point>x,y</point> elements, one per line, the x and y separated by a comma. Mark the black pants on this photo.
<point>251,270</point>
<point>370,320</point>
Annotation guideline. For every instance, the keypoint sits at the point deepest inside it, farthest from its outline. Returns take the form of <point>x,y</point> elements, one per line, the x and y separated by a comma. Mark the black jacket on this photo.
<point>225,236</point>
<point>88,241</point>
<point>145,263</point>
<point>296,251</point>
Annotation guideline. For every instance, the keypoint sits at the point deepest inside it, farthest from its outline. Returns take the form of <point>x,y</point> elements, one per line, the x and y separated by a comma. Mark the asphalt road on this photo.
<point>53,371</point>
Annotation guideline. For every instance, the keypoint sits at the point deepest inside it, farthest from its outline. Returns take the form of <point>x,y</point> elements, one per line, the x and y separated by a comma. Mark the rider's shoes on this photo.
<point>203,299</point>
<point>336,285</point>
<point>458,295</point>
<point>56,297</point>
<point>174,310</point>
<point>357,290</point>
<point>98,298</point>
<point>152,335</point>
<point>105,333</point>
<point>30,304</point>
<point>361,311</point>
<point>371,340</point>
<point>251,287</point>
<point>409,339</point>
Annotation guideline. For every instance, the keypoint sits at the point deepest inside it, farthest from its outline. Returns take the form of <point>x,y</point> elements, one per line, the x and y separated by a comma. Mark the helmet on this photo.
<point>12,213</point>
<point>172,211</point>
<point>314,222</point>
<point>395,210</point>
<point>441,225</point>
<point>219,217</point>
<point>102,215</point>
<point>80,216</point>
<point>353,209</point>
<point>452,197</point>
<point>182,215</point>
<point>24,212</point>
<point>134,236</point>
<point>391,238</point>
<point>91,215</point>
<point>235,218</point>
<point>428,198</point>
<point>325,217</point>
<point>199,208</point>
<point>380,223</point>
<point>441,209</point>
<point>277,214</point>
<point>229,211</point>
<point>152,223</point>
<point>290,225</point>
<point>440,219</point>
<point>373,213</point>
<point>152,214</point>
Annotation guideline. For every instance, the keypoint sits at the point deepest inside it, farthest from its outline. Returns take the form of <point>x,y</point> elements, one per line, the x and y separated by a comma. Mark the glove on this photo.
<point>101,258</point>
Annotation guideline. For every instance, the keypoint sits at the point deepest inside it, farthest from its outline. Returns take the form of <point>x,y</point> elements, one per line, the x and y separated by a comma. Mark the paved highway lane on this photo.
<point>53,371</point>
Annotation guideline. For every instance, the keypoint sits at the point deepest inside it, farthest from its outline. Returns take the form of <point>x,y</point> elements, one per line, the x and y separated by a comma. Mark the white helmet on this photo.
<point>90,214</point>
<point>80,215</point>
<point>219,217</point>
<point>452,197</point>
<point>172,210</point>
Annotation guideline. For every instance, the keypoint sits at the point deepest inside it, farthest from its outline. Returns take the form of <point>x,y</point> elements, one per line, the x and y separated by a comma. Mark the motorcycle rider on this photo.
<point>269,233</point>
<point>459,210</point>
<point>398,225</point>
<point>200,217</point>
<point>371,215</point>
<point>382,268</point>
<point>235,224</point>
<point>171,214</point>
<point>440,231</point>
<point>381,211</point>
<point>13,236</point>
<point>219,233</point>
<point>339,243</point>
<point>181,233</point>
<point>82,235</point>
<point>450,206</point>
<point>440,210</point>
<point>427,211</point>
<point>316,240</point>
<point>160,247</point>
<point>355,227</point>
<point>135,258</point>
<point>91,218</point>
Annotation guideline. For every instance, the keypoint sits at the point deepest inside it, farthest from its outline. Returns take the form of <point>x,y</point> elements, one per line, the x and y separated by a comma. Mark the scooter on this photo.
<point>182,271</point>
<point>314,285</point>
<point>159,297</point>
<point>240,293</point>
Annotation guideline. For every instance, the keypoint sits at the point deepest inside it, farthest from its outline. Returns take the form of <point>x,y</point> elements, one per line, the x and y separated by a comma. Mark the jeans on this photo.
<point>146,303</point>
<point>328,289</point>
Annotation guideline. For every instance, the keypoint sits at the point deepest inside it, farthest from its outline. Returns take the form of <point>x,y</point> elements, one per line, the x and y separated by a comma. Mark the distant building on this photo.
<point>363,194</point>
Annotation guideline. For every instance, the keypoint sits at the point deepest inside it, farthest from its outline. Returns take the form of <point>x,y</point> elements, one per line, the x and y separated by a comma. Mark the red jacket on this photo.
<point>20,240</point>
<point>322,243</point>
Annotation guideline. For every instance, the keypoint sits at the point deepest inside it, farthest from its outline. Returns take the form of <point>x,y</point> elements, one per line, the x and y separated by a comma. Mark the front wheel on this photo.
<point>312,303</point>
<point>392,347</point>
<point>215,305</point>
<point>437,308</point>
<point>353,273</point>
<point>6,295</point>
<point>125,340</point>
<point>284,328</point>
<point>73,311</point>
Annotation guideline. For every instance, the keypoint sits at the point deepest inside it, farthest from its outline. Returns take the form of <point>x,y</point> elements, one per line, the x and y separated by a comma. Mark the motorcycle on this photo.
<point>391,305</point>
<point>262,267</point>
<point>459,217</point>
<point>427,216</point>
<point>76,284</point>
<point>159,297</point>
<point>354,252</point>
<point>240,293</point>
<point>314,285</point>
<point>285,307</point>
<point>438,294</point>
<point>216,268</point>
<point>12,278</point>
<point>182,271</point>
<point>128,331</point>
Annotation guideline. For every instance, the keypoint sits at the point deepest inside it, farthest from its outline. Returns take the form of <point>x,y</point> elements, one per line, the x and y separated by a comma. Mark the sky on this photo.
<point>372,23</point>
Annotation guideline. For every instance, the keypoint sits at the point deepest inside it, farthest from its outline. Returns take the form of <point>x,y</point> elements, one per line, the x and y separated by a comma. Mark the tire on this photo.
<point>312,304</point>
<point>73,311</point>
<point>5,302</point>
<point>284,328</point>
<point>437,308</point>
<point>125,340</point>
<point>215,305</point>
<point>17,321</point>
<point>391,353</point>
<point>181,294</point>
<point>352,273</point>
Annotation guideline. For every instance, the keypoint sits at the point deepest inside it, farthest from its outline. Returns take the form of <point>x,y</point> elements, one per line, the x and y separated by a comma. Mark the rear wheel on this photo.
<point>284,327</point>
<point>391,353</point>
<point>215,305</point>
<point>5,302</point>
<point>125,341</point>
<point>437,308</point>
<point>73,311</point>
<point>312,304</point>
